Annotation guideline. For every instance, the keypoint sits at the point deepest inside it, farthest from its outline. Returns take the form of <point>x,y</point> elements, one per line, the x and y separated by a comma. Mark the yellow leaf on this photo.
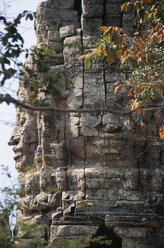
<point>148,76</point>
<point>148,58</point>
<point>161,132</point>
<point>81,57</point>
<point>98,49</point>
<point>105,53</point>
<point>142,87</point>
<point>118,53</point>
<point>142,125</point>
<point>139,111</point>
<point>117,88</point>
<point>122,6</point>
<point>102,28</point>
<point>156,27</point>
<point>135,94</point>
<point>130,92</point>
<point>106,40</point>
<point>107,30</point>
<point>109,37</point>
<point>88,63</point>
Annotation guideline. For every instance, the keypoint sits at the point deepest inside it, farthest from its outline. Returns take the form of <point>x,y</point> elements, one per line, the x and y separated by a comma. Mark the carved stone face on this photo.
<point>91,168</point>
<point>24,137</point>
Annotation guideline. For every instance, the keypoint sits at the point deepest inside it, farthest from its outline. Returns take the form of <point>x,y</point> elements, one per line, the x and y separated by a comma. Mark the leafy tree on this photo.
<point>11,47</point>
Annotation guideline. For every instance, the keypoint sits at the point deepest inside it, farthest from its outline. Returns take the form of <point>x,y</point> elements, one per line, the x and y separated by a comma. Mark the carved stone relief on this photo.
<point>88,170</point>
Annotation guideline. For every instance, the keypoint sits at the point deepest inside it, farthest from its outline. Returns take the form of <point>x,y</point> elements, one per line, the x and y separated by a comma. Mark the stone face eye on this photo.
<point>22,120</point>
<point>29,131</point>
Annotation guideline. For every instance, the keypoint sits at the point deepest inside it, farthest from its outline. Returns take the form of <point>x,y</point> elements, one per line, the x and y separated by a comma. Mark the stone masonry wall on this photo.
<point>81,171</point>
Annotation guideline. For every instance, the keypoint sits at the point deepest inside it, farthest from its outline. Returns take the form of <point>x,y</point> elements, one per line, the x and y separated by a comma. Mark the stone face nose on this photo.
<point>14,140</point>
<point>15,137</point>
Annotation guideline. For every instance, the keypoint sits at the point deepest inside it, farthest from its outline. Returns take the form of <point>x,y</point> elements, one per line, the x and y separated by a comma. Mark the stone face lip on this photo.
<point>86,174</point>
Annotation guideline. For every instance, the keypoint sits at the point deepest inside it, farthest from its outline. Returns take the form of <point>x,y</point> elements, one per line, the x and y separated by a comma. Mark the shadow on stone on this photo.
<point>108,235</point>
<point>78,7</point>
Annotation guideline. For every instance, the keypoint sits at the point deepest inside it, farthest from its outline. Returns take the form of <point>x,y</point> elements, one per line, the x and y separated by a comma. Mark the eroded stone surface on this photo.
<point>79,171</point>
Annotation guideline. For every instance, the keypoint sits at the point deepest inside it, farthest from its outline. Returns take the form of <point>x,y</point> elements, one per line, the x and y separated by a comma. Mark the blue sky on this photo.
<point>7,113</point>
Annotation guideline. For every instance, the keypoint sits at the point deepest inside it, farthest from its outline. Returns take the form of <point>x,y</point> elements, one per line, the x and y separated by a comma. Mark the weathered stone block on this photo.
<point>142,242</point>
<point>128,23</point>
<point>90,26</point>
<point>113,9</point>
<point>32,184</point>
<point>92,2</point>
<point>66,4</point>
<point>67,31</point>
<point>76,178</point>
<point>114,20</point>
<point>111,122</point>
<point>56,46</point>
<point>132,232</point>
<point>78,147</point>
<point>113,77</point>
<point>53,35</point>
<point>61,179</point>
<point>93,11</point>
<point>73,231</point>
<point>86,122</point>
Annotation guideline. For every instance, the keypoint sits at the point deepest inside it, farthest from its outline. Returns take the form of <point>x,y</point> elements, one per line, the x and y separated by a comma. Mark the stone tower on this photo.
<point>87,174</point>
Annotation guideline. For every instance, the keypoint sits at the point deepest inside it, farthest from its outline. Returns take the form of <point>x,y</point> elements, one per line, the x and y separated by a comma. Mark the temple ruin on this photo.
<point>88,174</point>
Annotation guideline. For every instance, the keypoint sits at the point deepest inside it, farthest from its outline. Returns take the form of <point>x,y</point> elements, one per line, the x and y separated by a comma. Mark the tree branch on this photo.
<point>8,99</point>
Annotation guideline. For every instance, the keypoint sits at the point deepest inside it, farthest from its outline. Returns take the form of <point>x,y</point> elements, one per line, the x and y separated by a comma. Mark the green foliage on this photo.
<point>9,194</point>
<point>5,235</point>
<point>147,11</point>
<point>97,241</point>
<point>108,47</point>
<point>11,46</point>
<point>9,198</point>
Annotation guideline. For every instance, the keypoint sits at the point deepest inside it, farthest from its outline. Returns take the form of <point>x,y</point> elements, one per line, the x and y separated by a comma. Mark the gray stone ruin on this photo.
<point>87,174</point>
